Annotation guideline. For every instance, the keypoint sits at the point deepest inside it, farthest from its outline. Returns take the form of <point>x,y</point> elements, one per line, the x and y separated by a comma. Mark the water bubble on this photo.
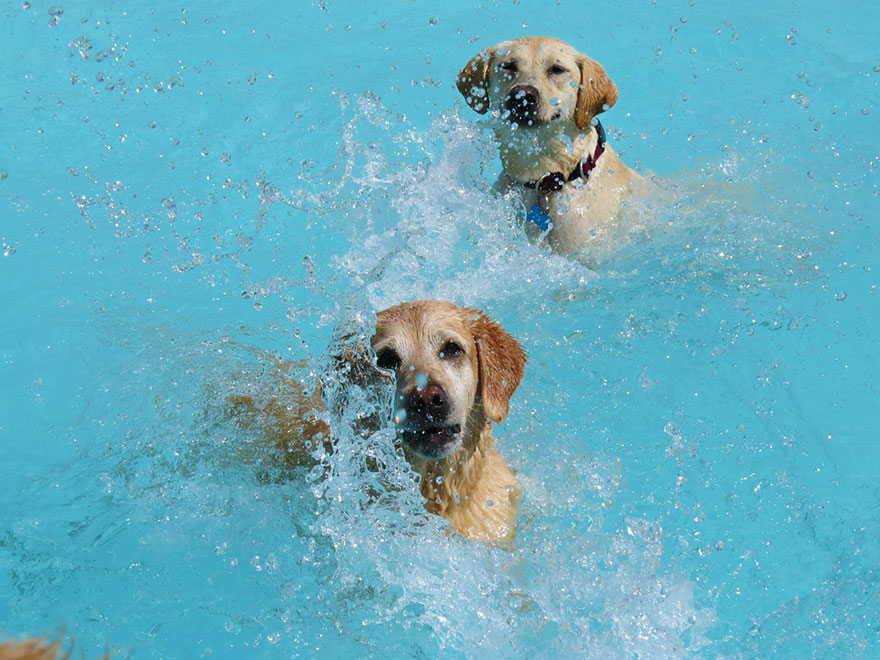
<point>3,174</point>
<point>55,11</point>
<point>439,480</point>
<point>877,69</point>
<point>840,296</point>
<point>566,142</point>
<point>801,100</point>
<point>433,21</point>
<point>672,430</point>
<point>421,380</point>
<point>26,5</point>
<point>8,250</point>
<point>866,111</point>
<point>555,101</point>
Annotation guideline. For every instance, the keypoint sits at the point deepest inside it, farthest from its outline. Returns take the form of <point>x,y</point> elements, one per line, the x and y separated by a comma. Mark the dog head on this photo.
<point>537,81</point>
<point>454,367</point>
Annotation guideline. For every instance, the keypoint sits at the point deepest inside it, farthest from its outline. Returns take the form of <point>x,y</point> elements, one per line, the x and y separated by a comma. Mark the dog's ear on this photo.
<point>596,93</point>
<point>502,362</point>
<point>473,81</point>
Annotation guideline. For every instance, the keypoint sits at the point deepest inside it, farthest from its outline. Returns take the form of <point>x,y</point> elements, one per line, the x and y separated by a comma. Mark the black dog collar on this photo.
<point>556,180</point>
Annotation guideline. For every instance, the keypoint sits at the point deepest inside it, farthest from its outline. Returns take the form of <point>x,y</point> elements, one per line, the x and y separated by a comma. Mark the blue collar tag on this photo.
<point>537,216</point>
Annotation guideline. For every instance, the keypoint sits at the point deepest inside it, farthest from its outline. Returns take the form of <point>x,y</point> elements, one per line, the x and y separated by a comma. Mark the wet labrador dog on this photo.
<point>453,371</point>
<point>35,649</point>
<point>546,97</point>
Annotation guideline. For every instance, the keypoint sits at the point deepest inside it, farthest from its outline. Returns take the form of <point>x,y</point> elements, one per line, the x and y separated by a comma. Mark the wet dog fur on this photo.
<point>453,371</point>
<point>544,95</point>
<point>36,648</point>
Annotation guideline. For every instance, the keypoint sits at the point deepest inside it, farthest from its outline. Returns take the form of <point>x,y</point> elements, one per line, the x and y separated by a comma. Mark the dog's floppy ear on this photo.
<point>502,362</point>
<point>596,93</point>
<point>473,81</point>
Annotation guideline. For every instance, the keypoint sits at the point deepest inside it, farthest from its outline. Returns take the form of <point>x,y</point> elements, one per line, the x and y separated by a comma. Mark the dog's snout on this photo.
<point>428,404</point>
<point>522,102</point>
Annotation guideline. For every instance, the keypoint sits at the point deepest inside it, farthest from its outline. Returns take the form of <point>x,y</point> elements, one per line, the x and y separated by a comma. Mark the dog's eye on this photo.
<point>450,350</point>
<point>510,66</point>
<point>388,359</point>
<point>555,70</point>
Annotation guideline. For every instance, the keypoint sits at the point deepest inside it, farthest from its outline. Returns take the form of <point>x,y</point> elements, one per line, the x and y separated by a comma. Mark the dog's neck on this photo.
<point>527,154</point>
<point>447,482</point>
<point>457,488</point>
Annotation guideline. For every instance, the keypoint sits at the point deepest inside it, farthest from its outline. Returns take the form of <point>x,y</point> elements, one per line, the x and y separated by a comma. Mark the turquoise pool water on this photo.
<point>185,186</point>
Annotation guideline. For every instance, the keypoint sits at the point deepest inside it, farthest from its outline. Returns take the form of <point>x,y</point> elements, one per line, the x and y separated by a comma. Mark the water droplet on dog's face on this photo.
<point>421,380</point>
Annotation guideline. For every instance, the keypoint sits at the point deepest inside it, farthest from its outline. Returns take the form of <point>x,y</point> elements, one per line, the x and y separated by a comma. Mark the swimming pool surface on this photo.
<point>184,186</point>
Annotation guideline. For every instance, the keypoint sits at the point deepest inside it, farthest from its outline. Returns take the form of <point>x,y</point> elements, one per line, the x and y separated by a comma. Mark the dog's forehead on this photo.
<point>420,323</point>
<point>539,48</point>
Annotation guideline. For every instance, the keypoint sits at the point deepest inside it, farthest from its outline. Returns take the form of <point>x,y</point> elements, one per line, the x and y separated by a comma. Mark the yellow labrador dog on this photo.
<point>545,95</point>
<point>454,371</point>
<point>35,649</point>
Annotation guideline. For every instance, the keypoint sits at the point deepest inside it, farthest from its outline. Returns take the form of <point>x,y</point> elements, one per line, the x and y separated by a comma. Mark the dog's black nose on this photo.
<point>428,405</point>
<point>522,103</point>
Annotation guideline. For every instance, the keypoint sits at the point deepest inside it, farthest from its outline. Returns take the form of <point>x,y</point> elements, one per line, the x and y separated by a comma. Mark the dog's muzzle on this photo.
<point>423,418</point>
<point>433,442</point>
<point>521,103</point>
